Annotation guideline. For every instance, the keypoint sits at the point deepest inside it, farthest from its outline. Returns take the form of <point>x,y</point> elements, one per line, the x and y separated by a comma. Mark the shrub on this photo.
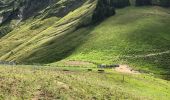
<point>143,2</point>
<point>165,3</point>
<point>103,10</point>
<point>120,3</point>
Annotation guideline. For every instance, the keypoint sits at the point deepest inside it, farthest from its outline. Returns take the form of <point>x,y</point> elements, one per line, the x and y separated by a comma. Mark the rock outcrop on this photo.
<point>103,10</point>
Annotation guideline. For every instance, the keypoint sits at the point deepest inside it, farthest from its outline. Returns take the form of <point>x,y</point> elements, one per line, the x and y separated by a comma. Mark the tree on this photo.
<point>120,3</point>
<point>143,2</point>
<point>165,3</point>
<point>103,10</point>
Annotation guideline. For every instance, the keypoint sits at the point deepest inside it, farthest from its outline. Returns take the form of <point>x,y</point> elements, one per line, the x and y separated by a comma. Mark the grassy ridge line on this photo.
<point>64,26</point>
<point>20,82</point>
<point>24,32</point>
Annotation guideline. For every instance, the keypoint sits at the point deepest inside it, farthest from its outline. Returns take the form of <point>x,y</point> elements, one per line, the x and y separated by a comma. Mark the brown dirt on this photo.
<point>126,69</point>
<point>36,95</point>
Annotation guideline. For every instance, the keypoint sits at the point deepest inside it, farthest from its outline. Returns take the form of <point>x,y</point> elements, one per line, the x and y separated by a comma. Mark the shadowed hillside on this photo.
<point>47,31</point>
<point>84,50</point>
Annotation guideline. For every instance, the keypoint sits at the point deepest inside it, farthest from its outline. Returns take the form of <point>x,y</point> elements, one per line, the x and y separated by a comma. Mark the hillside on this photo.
<point>39,31</point>
<point>135,36</point>
<point>64,30</point>
<point>85,50</point>
<point>51,83</point>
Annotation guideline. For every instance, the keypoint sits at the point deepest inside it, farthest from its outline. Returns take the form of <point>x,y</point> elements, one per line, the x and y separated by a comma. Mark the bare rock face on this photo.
<point>32,7</point>
<point>23,9</point>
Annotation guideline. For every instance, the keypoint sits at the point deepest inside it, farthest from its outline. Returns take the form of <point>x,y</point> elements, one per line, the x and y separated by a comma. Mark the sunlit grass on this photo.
<point>43,82</point>
<point>131,32</point>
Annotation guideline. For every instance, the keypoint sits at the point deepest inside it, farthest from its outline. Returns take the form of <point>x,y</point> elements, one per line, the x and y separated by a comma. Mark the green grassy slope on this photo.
<point>138,36</point>
<point>40,82</point>
<point>43,36</point>
<point>135,36</point>
<point>16,11</point>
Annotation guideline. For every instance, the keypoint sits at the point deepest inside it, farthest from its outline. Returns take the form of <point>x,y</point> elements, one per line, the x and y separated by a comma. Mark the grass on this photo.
<point>46,38</point>
<point>133,31</point>
<point>137,36</point>
<point>43,82</point>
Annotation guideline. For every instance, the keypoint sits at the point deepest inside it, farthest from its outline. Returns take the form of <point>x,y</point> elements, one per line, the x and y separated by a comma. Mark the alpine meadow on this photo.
<point>84,49</point>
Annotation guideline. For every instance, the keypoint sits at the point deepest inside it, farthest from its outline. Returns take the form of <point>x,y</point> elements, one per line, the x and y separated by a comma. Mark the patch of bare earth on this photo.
<point>126,69</point>
<point>77,63</point>
<point>37,95</point>
<point>42,94</point>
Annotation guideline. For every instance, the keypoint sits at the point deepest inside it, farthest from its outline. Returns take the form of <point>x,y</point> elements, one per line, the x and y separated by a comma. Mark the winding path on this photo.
<point>149,55</point>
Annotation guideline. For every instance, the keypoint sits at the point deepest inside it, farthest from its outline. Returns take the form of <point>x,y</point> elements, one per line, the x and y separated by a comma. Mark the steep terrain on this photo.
<point>135,36</point>
<point>48,31</point>
<point>39,32</point>
<point>84,49</point>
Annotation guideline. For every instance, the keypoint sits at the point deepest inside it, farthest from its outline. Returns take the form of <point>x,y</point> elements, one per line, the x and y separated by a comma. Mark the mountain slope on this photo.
<point>135,36</point>
<point>39,32</point>
<point>20,82</point>
<point>63,30</point>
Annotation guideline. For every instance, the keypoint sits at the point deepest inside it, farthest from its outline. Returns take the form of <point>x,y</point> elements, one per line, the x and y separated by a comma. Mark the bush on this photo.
<point>103,10</point>
<point>143,2</point>
<point>120,3</point>
<point>165,3</point>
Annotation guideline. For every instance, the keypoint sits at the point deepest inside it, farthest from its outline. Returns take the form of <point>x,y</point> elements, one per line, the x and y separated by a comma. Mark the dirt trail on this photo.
<point>149,55</point>
<point>121,68</point>
<point>126,69</point>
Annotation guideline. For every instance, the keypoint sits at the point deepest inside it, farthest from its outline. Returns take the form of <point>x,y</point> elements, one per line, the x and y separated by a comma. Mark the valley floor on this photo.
<point>76,83</point>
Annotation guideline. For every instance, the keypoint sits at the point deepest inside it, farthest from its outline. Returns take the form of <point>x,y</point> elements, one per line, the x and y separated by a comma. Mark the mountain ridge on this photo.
<point>48,38</point>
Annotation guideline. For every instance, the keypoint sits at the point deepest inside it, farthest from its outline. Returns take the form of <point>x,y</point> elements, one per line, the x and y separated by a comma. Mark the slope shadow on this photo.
<point>60,47</point>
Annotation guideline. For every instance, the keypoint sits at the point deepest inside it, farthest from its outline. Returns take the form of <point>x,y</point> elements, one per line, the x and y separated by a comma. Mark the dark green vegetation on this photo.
<point>143,2</point>
<point>135,36</point>
<point>83,34</point>
<point>163,3</point>
<point>119,3</point>
<point>103,10</point>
